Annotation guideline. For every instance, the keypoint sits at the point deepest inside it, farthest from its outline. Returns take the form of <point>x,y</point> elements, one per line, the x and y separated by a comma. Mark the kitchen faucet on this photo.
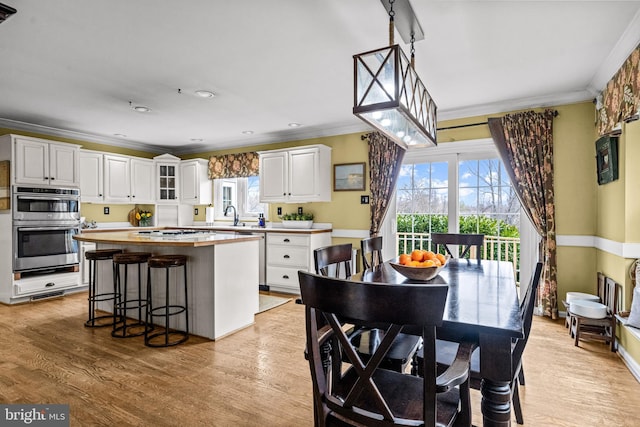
<point>235,214</point>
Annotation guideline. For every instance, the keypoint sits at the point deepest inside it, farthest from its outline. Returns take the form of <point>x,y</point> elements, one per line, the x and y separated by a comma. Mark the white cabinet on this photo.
<point>91,176</point>
<point>296,175</point>
<point>84,263</point>
<point>289,252</point>
<point>167,178</point>
<point>142,180</point>
<point>128,179</point>
<point>41,162</point>
<point>195,185</point>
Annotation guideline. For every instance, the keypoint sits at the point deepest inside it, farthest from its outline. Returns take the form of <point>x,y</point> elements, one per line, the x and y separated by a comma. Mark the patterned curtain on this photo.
<point>621,96</point>
<point>385,160</point>
<point>239,165</point>
<point>525,144</point>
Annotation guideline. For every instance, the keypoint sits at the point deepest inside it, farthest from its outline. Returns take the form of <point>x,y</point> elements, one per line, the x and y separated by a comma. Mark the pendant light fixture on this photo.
<point>388,94</point>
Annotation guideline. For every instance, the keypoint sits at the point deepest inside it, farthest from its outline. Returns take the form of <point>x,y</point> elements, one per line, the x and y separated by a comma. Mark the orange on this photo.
<point>404,259</point>
<point>429,255</point>
<point>442,258</point>
<point>416,255</point>
<point>437,262</point>
<point>414,264</point>
<point>429,263</point>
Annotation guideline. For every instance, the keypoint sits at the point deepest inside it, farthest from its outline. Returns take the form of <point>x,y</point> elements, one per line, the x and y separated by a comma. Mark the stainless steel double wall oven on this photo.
<point>45,219</point>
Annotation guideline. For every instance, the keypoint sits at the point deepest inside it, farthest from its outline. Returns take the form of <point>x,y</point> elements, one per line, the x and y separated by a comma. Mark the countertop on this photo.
<point>132,237</point>
<point>242,229</point>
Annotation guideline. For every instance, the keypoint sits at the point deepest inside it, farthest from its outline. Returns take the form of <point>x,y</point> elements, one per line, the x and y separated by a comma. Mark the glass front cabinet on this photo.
<point>167,173</point>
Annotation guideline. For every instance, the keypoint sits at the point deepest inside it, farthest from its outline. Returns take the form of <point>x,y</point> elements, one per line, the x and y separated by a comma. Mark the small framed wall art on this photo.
<point>607,159</point>
<point>349,177</point>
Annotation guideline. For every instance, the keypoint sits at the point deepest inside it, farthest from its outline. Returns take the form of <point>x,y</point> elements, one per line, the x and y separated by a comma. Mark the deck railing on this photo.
<point>497,248</point>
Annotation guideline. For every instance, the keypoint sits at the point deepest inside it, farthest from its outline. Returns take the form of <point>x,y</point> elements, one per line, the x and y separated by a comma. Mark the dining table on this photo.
<point>482,306</point>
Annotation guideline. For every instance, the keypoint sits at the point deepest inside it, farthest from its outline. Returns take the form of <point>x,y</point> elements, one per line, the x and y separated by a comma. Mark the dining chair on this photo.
<point>467,241</point>
<point>363,393</point>
<point>446,350</point>
<point>330,259</point>
<point>594,320</point>
<point>371,249</point>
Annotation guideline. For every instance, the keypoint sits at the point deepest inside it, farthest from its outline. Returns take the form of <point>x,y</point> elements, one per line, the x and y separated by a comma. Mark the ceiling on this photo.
<point>76,68</point>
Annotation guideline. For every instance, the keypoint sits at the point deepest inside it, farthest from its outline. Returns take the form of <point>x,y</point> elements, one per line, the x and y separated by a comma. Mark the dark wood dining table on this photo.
<point>482,305</point>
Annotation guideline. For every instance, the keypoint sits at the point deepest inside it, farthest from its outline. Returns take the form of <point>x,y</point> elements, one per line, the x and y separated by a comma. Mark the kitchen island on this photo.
<point>222,274</point>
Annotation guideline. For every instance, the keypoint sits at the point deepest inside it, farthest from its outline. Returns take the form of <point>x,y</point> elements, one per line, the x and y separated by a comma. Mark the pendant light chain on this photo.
<point>392,13</point>
<point>413,51</point>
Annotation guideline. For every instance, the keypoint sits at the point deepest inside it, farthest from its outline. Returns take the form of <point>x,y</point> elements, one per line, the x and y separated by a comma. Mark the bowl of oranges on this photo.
<point>420,264</point>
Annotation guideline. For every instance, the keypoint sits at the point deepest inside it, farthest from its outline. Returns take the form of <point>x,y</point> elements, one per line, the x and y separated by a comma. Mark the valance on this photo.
<point>621,96</point>
<point>239,165</point>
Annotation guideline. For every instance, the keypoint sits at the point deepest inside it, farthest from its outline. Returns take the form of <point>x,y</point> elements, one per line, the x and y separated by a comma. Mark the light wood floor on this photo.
<point>258,376</point>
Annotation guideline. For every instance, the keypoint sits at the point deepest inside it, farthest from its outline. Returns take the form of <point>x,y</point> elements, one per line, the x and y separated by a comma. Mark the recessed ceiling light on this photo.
<point>142,109</point>
<point>247,132</point>
<point>120,135</point>
<point>196,140</point>
<point>205,94</point>
<point>294,125</point>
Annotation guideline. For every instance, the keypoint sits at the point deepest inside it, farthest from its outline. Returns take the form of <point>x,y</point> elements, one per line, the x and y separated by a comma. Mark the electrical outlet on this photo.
<point>195,211</point>
<point>106,210</point>
<point>364,200</point>
<point>279,210</point>
<point>300,211</point>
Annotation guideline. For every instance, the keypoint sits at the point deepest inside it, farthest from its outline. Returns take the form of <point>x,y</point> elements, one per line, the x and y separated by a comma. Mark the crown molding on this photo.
<point>626,44</point>
<point>80,136</point>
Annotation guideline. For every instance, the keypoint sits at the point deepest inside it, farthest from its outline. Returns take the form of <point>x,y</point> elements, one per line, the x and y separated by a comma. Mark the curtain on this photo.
<point>240,165</point>
<point>385,160</point>
<point>525,143</point>
<point>621,96</point>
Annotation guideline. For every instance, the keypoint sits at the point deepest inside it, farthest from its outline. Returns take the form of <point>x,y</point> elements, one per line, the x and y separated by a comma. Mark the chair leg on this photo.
<point>521,375</point>
<point>515,400</point>
<point>576,331</point>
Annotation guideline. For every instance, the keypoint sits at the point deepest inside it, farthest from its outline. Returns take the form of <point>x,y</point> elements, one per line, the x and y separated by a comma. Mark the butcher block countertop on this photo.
<point>164,237</point>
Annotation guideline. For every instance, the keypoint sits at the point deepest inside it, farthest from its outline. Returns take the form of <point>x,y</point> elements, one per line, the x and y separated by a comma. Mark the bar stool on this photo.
<point>127,330</point>
<point>94,297</point>
<point>167,310</point>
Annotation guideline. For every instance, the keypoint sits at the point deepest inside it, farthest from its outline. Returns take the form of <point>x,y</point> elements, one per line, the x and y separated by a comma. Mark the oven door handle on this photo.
<point>46,197</point>
<point>46,228</point>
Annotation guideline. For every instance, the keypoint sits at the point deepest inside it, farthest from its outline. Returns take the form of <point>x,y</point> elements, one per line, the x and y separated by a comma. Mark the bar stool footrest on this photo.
<point>166,343</point>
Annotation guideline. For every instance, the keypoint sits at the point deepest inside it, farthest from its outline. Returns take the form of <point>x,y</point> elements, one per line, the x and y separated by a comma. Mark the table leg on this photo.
<point>496,403</point>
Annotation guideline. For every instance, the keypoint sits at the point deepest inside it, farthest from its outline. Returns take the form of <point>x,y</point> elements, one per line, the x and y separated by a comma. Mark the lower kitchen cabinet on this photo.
<point>289,252</point>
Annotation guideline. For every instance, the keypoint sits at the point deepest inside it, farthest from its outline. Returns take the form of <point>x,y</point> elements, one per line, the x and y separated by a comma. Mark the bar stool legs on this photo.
<point>168,310</point>
<point>130,328</point>
<point>93,320</point>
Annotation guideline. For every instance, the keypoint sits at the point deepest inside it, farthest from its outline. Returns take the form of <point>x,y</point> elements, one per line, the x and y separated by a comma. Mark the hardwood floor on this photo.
<point>258,376</point>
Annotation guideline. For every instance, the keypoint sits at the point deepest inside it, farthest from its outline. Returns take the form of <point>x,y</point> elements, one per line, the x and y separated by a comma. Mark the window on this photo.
<point>241,193</point>
<point>458,188</point>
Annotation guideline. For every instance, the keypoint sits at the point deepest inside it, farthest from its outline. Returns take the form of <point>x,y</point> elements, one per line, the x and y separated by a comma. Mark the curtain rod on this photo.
<point>363,137</point>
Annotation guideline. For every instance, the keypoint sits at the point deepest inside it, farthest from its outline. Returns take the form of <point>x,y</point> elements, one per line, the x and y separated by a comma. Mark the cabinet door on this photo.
<point>303,174</point>
<point>116,179</point>
<point>167,182</point>
<point>63,164</point>
<point>91,177</point>
<point>273,177</point>
<point>32,162</point>
<point>142,181</point>
<point>189,182</point>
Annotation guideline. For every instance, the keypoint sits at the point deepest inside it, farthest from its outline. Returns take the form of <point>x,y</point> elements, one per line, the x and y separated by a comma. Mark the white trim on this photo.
<point>632,365</point>
<point>350,234</point>
<point>431,154</point>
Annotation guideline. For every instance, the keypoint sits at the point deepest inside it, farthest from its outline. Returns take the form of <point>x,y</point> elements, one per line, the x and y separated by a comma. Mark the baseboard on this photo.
<point>632,365</point>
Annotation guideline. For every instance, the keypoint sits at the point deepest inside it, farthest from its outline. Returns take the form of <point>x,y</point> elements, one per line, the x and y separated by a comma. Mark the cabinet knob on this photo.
<point>286,240</point>
<point>52,178</point>
<point>285,277</point>
<point>99,195</point>
<point>133,196</point>
<point>284,194</point>
<point>46,177</point>
<point>286,257</point>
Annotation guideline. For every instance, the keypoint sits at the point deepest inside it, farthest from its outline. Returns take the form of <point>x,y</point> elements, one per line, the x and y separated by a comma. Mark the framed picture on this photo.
<point>349,177</point>
<point>607,159</point>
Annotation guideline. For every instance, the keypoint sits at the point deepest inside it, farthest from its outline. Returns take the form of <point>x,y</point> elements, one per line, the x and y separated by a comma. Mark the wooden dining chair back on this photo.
<point>465,241</point>
<point>599,326</point>
<point>371,249</point>
<point>330,260</point>
<point>446,349</point>
<point>363,393</point>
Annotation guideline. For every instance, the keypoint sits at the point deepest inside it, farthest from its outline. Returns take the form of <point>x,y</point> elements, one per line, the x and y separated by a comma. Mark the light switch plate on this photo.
<point>106,210</point>
<point>364,200</point>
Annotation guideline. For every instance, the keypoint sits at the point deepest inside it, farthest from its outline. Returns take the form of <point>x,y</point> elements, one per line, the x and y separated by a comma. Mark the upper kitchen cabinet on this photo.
<point>296,175</point>
<point>167,178</point>
<point>91,176</point>
<point>195,185</point>
<point>41,162</point>
<point>128,179</point>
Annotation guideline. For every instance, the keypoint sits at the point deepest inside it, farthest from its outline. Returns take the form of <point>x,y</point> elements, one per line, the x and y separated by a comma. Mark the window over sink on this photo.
<point>242,193</point>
